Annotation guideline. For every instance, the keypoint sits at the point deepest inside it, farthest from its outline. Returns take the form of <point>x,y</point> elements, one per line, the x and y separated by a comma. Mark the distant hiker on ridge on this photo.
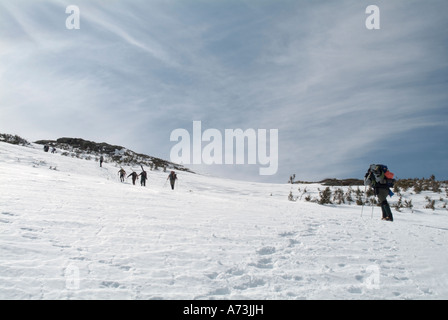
<point>381,179</point>
<point>173,177</point>
<point>101,161</point>
<point>122,174</point>
<point>134,177</point>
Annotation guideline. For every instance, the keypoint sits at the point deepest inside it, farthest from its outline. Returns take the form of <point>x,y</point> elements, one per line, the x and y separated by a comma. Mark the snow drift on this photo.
<point>71,230</point>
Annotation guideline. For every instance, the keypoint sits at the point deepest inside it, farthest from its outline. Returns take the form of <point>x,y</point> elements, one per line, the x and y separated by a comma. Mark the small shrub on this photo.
<point>431,203</point>
<point>325,196</point>
<point>339,196</point>
<point>291,197</point>
<point>408,204</point>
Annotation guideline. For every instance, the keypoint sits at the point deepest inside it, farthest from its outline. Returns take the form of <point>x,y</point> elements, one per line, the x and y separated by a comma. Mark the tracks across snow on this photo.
<point>78,233</point>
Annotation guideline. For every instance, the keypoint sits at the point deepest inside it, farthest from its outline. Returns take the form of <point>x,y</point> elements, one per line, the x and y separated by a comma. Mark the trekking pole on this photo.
<point>365,200</point>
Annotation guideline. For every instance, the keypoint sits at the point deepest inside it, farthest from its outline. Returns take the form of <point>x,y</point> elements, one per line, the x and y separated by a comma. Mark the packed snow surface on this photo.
<point>71,230</point>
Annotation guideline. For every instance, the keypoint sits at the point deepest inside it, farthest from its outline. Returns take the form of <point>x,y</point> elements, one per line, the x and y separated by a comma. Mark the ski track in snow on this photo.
<point>78,233</point>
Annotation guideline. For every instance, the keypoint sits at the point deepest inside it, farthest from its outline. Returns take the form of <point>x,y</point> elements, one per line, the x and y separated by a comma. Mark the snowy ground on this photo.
<point>77,232</point>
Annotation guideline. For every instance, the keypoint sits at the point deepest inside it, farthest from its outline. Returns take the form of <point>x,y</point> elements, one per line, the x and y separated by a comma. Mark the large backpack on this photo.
<point>379,174</point>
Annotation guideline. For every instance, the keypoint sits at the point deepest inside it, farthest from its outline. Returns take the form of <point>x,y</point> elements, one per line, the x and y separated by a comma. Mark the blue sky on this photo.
<point>340,95</point>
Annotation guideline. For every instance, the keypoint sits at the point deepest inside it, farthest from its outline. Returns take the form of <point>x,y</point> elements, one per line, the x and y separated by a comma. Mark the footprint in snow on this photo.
<point>265,263</point>
<point>220,291</point>
<point>7,214</point>
<point>30,236</point>
<point>248,282</point>
<point>110,284</point>
<point>266,250</point>
<point>287,234</point>
<point>354,290</point>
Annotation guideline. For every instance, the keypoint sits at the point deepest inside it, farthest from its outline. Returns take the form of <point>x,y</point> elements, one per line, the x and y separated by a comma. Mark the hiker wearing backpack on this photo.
<point>122,174</point>
<point>143,178</point>
<point>173,177</point>
<point>134,177</point>
<point>381,180</point>
<point>101,161</point>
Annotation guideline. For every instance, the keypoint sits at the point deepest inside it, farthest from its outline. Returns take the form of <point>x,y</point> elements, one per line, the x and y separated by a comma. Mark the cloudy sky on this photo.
<point>341,96</point>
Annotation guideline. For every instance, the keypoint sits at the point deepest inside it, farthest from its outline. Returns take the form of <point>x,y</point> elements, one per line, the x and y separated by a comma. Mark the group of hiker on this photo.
<point>377,177</point>
<point>47,148</point>
<point>144,176</point>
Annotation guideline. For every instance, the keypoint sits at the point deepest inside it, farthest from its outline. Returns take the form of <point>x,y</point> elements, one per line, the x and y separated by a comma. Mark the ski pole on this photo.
<point>365,200</point>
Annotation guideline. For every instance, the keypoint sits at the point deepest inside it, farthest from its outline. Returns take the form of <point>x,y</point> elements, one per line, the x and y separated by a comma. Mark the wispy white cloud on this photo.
<point>335,90</point>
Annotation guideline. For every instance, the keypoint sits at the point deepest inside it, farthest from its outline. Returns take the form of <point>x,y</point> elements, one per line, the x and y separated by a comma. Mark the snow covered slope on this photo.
<point>77,232</point>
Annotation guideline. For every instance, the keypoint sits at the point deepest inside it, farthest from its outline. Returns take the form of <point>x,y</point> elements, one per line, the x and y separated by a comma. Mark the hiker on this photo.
<point>46,148</point>
<point>101,161</point>
<point>134,177</point>
<point>381,179</point>
<point>53,150</point>
<point>143,177</point>
<point>122,174</point>
<point>173,177</point>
